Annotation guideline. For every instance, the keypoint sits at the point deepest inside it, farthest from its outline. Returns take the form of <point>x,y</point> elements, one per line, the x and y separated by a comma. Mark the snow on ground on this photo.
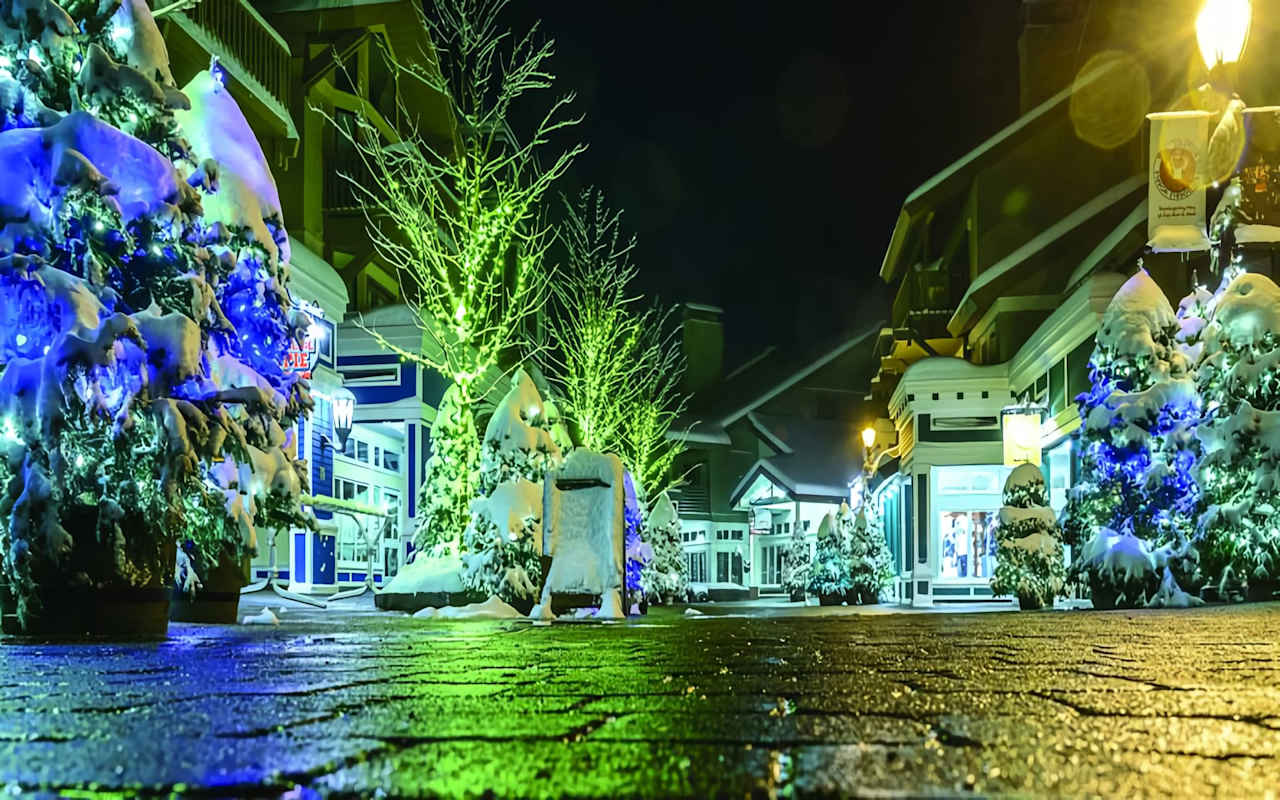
<point>493,608</point>
<point>425,574</point>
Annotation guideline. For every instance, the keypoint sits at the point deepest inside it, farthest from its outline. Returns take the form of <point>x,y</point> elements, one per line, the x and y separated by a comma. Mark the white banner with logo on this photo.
<point>1176,181</point>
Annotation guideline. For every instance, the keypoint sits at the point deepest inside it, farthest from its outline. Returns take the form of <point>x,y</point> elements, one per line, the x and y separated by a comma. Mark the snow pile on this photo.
<point>1248,310</point>
<point>135,32</point>
<point>1139,323</point>
<point>493,608</point>
<point>264,617</point>
<point>427,575</point>
<point>246,195</point>
<point>1029,560</point>
<point>518,440</point>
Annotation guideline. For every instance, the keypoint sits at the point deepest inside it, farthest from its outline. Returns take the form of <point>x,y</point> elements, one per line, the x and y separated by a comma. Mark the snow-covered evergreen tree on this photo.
<point>1029,562</point>
<point>666,577</point>
<point>450,480</point>
<point>832,570</point>
<point>499,551</point>
<point>500,554</point>
<point>796,563</point>
<point>1239,378</point>
<point>870,563</point>
<point>143,304</point>
<point>1138,449</point>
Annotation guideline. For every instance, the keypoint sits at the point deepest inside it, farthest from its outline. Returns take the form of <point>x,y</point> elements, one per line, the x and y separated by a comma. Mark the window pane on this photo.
<point>391,460</point>
<point>362,451</point>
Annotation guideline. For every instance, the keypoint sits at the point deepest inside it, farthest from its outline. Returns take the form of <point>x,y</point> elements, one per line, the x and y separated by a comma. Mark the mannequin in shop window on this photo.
<point>962,538</point>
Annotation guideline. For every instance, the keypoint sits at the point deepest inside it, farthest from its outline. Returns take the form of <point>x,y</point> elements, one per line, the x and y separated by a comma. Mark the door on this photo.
<point>735,564</point>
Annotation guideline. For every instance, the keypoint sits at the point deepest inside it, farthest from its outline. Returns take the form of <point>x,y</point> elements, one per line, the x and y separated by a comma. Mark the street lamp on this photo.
<point>1222,31</point>
<point>344,411</point>
<point>869,437</point>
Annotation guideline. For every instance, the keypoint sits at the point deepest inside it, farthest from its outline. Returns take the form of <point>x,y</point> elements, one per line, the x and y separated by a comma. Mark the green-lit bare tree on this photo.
<point>614,360</point>
<point>464,226</point>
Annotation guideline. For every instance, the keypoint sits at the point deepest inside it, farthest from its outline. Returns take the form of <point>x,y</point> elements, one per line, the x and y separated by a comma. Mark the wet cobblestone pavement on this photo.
<point>1172,703</point>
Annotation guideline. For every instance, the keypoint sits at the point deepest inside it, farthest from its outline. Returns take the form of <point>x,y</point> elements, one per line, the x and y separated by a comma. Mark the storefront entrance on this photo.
<point>966,505</point>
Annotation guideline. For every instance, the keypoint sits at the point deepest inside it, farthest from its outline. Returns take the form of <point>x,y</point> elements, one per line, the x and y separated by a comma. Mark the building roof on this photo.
<point>762,379</point>
<point>818,459</point>
<point>955,176</point>
<point>990,282</point>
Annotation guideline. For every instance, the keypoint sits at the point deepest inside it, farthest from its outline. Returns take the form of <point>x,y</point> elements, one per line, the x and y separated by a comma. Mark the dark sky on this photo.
<point>761,151</point>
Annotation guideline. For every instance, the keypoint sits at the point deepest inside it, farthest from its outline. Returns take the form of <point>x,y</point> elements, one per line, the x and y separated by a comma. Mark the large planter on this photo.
<point>868,598</point>
<point>1030,602</point>
<point>116,611</point>
<point>218,601</point>
<point>838,598</point>
<point>797,596</point>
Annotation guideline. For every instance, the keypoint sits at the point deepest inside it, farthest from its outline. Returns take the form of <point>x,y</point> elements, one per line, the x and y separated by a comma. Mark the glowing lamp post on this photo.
<point>1222,31</point>
<point>869,437</point>
<point>344,411</point>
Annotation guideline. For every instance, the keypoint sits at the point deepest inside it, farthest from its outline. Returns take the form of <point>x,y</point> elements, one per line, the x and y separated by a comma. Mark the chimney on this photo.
<point>702,330</point>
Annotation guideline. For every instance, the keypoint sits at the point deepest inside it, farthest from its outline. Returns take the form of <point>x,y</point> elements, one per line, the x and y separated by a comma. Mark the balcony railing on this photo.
<point>925,290</point>
<point>246,41</point>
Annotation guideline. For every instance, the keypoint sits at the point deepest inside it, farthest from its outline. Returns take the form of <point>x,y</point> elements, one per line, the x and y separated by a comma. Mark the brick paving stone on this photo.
<point>1173,703</point>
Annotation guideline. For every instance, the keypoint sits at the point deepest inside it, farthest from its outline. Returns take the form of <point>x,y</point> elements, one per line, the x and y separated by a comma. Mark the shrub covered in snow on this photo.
<point>1239,378</point>
<point>832,569</point>
<point>871,565</point>
<point>797,562</point>
<point>144,312</point>
<point>518,441</point>
<point>1029,563</point>
<point>666,576</point>
<point>500,546</point>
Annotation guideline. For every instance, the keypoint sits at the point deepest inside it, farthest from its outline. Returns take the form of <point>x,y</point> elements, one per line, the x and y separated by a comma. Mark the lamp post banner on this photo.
<point>1176,179</point>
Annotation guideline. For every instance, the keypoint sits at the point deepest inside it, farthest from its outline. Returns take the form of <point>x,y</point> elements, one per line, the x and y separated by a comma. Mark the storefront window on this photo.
<point>968,544</point>
<point>967,502</point>
<point>1058,473</point>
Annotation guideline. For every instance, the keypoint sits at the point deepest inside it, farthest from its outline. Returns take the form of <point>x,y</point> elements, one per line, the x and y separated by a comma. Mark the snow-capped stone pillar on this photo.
<point>583,530</point>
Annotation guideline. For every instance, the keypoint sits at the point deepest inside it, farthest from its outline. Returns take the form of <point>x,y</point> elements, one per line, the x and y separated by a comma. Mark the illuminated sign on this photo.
<point>316,346</point>
<point>301,358</point>
<point>1021,435</point>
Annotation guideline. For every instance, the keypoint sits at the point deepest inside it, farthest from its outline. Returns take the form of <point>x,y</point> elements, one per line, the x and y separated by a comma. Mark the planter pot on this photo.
<point>868,598</point>
<point>1030,602</point>
<point>832,599</point>
<point>218,601</point>
<point>797,596</point>
<point>1262,591</point>
<point>103,611</point>
<point>522,604</point>
<point>1102,595</point>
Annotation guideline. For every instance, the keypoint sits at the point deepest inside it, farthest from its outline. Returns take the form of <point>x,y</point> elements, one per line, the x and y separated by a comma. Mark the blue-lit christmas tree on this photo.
<point>143,315</point>
<point>1131,519</point>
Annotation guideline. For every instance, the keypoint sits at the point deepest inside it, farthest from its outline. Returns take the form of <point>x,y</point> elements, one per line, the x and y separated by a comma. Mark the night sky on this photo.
<point>761,152</point>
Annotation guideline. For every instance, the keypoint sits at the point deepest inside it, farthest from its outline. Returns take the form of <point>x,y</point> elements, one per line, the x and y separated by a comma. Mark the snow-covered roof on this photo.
<point>968,306</point>
<point>314,279</point>
<point>745,390</point>
<point>818,458</point>
<point>971,160</point>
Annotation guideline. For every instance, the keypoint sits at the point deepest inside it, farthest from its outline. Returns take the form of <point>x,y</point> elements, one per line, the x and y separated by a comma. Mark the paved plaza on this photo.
<point>357,703</point>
